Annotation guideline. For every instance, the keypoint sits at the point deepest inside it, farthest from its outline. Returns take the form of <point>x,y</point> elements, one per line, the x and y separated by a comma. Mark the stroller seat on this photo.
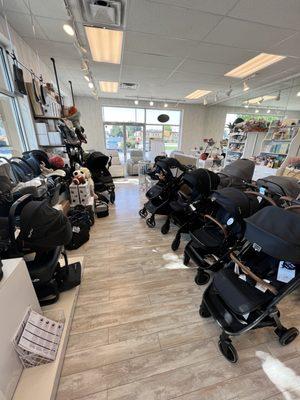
<point>208,238</point>
<point>42,268</point>
<point>240,296</point>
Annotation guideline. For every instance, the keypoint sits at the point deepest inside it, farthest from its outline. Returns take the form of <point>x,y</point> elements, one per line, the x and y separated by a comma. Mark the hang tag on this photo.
<point>230,221</point>
<point>192,207</point>
<point>262,288</point>
<point>236,269</point>
<point>286,271</point>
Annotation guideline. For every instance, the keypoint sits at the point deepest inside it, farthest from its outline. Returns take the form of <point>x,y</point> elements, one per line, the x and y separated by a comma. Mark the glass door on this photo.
<point>114,138</point>
<point>134,139</point>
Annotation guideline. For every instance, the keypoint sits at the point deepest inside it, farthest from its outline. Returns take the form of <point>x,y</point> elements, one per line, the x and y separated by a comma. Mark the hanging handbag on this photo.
<point>19,79</point>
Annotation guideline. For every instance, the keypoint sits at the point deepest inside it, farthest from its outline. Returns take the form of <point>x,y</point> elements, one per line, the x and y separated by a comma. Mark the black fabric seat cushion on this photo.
<point>240,296</point>
<point>208,237</point>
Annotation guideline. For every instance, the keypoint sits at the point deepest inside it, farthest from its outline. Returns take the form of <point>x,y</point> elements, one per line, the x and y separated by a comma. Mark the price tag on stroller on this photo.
<point>256,247</point>
<point>262,190</point>
<point>192,207</point>
<point>230,221</point>
<point>286,271</point>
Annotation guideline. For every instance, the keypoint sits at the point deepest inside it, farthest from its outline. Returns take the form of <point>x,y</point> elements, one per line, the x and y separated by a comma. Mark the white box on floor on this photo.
<point>16,295</point>
<point>80,194</point>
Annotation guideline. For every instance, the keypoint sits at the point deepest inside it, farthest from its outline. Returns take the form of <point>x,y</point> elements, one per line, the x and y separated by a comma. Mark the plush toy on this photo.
<point>78,177</point>
<point>88,177</point>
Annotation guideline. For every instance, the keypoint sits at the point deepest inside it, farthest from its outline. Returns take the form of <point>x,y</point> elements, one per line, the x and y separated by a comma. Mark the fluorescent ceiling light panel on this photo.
<point>109,86</point>
<point>257,63</point>
<point>105,44</point>
<point>197,94</point>
<point>260,99</point>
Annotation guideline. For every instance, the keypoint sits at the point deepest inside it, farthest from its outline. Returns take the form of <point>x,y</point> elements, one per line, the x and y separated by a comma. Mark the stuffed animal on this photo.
<point>78,177</point>
<point>88,177</point>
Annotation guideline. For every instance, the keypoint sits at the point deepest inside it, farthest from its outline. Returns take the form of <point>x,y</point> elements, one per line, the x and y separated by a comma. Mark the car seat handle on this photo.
<point>257,194</point>
<point>252,275</point>
<point>223,229</point>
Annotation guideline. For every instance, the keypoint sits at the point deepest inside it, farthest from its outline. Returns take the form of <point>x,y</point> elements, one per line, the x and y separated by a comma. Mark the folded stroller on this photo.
<point>98,164</point>
<point>210,245</point>
<point>192,200</point>
<point>244,295</point>
<point>237,174</point>
<point>168,171</point>
<point>280,188</point>
<point>43,231</point>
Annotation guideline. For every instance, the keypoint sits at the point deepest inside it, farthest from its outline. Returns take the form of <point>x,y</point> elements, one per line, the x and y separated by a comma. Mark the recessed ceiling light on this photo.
<point>256,111</point>
<point>136,102</point>
<point>109,86</point>
<point>91,85</point>
<point>245,87</point>
<point>298,94</point>
<point>268,111</point>
<point>87,78</point>
<point>253,65</point>
<point>197,94</point>
<point>69,29</point>
<point>166,105</point>
<point>151,103</point>
<point>246,105</point>
<point>105,44</point>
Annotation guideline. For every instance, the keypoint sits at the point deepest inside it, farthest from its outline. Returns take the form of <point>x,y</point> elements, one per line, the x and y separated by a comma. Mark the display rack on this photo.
<point>236,146</point>
<point>281,140</point>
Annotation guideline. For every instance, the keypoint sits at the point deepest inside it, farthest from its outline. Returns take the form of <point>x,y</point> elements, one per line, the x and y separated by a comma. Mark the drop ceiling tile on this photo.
<point>43,8</point>
<point>53,29</point>
<point>282,13</point>
<point>23,26</point>
<point>199,67</point>
<point>158,44</point>
<point>146,60</point>
<point>137,74</point>
<point>247,35</point>
<point>289,47</point>
<point>148,17</point>
<point>211,6</point>
<point>54,49</point>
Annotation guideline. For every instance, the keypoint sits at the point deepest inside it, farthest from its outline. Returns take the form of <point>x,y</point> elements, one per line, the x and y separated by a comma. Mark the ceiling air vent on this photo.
<point>103,13</point>
<point>128,85</point>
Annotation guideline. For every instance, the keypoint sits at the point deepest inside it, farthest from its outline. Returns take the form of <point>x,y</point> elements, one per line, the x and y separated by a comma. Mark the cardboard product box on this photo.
<point>80,194</point>
<point>43,140</point>
<point>41,128</point>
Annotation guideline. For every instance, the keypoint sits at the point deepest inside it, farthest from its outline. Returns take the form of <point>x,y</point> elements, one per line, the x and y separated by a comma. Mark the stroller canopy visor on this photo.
<point>96,160</point>
<point>236,202</point>
<point>42,226</point>
<point>242,169</point>
<point>276,231</point>
<point>169,163</point>
<point>202,181</point>
<point>280,185</point>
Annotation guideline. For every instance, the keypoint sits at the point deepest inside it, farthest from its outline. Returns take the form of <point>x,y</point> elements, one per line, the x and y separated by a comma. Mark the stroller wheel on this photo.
<point>203,311</point>
<point>202,278</point>
<point>228,350</point>
<point>288,336</point>
<point>186,258</point>
<point>143,213</point>
<point>151,222</point>
<point>165,228</point>
<point>112,197</point>
<point>176,242</point>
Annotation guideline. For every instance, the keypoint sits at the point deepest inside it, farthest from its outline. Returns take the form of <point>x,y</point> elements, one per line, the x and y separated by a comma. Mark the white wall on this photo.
<point>27,56</point>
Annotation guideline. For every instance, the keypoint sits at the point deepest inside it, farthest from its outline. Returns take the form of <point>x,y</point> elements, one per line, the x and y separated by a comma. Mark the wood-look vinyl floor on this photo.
<point>137,334</point>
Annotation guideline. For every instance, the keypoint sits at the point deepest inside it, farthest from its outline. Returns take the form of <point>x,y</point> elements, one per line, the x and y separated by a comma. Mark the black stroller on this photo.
<point>168,171</point>
<point>44,231</point>
<point>237,174</point>
<point>73,144</point>
<point>244,295</point>
<point>210,245</point>
<point>192,200</point>
<point>98,164</point>
<point>282,189</point>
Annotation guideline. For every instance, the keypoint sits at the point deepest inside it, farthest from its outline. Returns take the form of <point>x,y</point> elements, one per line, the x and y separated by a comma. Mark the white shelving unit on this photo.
<point>281,141</point>
<point>236,145</point>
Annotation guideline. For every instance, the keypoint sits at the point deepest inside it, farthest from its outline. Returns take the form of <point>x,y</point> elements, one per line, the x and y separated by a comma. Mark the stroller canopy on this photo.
<point>202,181</point>
<point>276,231</point>
<point>170,166</point>
<point>96,160</point>
<point>43,227</point>
<point>280,185</point>
<point>236,202</point>
<point>242,169</point>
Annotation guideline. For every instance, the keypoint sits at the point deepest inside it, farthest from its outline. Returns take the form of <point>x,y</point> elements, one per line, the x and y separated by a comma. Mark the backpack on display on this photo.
<point>101,209</point>
<point>81,223</point>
